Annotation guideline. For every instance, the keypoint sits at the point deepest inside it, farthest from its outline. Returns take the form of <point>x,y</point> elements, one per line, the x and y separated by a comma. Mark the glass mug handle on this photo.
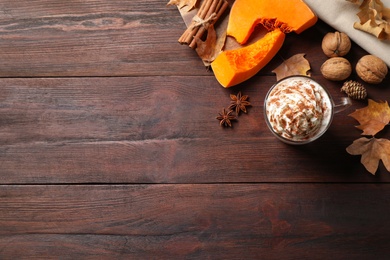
<point>345,102</point>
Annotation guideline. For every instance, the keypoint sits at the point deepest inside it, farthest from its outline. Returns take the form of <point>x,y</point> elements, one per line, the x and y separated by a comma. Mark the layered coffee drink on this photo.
<point>298,109</point>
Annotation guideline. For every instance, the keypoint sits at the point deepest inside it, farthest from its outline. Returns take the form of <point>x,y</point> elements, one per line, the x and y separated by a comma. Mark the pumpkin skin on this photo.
<point>289,15</point>
<point>235,66</point>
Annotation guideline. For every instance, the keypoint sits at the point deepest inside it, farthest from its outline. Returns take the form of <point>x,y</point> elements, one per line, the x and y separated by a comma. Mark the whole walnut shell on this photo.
<point>336,44</point>
<point>336,69</point>
<point>371,69</point>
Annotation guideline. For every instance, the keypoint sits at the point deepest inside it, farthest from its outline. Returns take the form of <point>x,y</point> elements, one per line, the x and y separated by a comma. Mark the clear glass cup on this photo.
<point>298,110</point>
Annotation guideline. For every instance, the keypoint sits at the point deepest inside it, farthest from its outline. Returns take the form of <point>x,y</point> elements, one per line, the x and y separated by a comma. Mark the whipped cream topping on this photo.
<point>297,108</point>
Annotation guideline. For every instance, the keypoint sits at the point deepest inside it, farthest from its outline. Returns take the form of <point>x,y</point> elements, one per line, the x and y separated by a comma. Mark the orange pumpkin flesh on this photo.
<point>235,66</point>
<point>289,15</point>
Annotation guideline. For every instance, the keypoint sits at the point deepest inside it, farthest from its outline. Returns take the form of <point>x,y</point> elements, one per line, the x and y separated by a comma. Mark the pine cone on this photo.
<point>354,90</point>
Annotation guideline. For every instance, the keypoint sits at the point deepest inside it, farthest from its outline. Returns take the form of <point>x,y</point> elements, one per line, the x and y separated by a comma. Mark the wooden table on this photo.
<point>109,147</point>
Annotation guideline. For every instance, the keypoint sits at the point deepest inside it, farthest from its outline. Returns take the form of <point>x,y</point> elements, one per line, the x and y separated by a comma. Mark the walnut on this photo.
<point>371,69</point>
<point>336,44</point>
<point>336,69</point>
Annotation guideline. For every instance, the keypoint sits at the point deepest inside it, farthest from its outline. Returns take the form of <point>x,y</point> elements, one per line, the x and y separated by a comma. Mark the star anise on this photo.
<point>239,103</point>
<point>225,117</point>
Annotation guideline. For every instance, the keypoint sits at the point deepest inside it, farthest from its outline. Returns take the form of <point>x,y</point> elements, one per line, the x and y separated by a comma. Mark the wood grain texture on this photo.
<point>110,149</point>
<point>270,221</point>
<point>91,38</point>
<point>107,38</point>
<point>157,129</point>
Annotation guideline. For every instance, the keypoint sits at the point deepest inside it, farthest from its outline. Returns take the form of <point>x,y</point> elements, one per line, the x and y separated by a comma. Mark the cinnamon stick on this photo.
<point>184,36</point>
<point>219,8</point>
<point>202,29</point>
<point>188,34</point>
<point>209,12</point>
<point>222,9</point>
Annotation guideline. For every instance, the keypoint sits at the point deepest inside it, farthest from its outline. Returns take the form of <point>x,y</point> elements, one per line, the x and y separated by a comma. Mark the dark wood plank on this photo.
<point>109,147</point>
<point>110,38</point>
<point>158,129</point>
<point>271,221</point>
<point>92,38</point>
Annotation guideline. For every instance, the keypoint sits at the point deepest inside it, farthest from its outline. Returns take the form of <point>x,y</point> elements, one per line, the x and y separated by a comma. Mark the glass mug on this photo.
<point>299,110</point>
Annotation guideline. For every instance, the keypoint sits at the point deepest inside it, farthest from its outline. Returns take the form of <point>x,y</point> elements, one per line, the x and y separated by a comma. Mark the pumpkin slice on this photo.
<point>289,15</point>
<point>235,66</point>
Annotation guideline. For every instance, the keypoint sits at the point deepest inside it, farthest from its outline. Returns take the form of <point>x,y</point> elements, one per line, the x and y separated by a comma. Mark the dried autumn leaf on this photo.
<point>378,31</point>
<point>369,9</point>
<point>181,3</point>
<point>209,49</point>
<point>374,18</point>
<point>372,151</point>
<point>295,65</point>
<point>372,118</point>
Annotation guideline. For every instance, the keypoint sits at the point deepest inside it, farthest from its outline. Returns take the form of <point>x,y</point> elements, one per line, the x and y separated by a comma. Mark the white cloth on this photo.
<point>341,15</point>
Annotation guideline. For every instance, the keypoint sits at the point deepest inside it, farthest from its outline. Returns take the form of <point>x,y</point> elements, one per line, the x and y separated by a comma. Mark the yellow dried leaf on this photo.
<point>370,9</point>
<point>372,151</point>
<point>377,31</point>
<point>372,118</point>
<point>295,65</point>
<point>181,3</point>
<point>374,18</point>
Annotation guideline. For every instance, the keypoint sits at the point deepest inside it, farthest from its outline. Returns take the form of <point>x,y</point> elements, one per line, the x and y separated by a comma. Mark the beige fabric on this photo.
<point>341,15</point>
